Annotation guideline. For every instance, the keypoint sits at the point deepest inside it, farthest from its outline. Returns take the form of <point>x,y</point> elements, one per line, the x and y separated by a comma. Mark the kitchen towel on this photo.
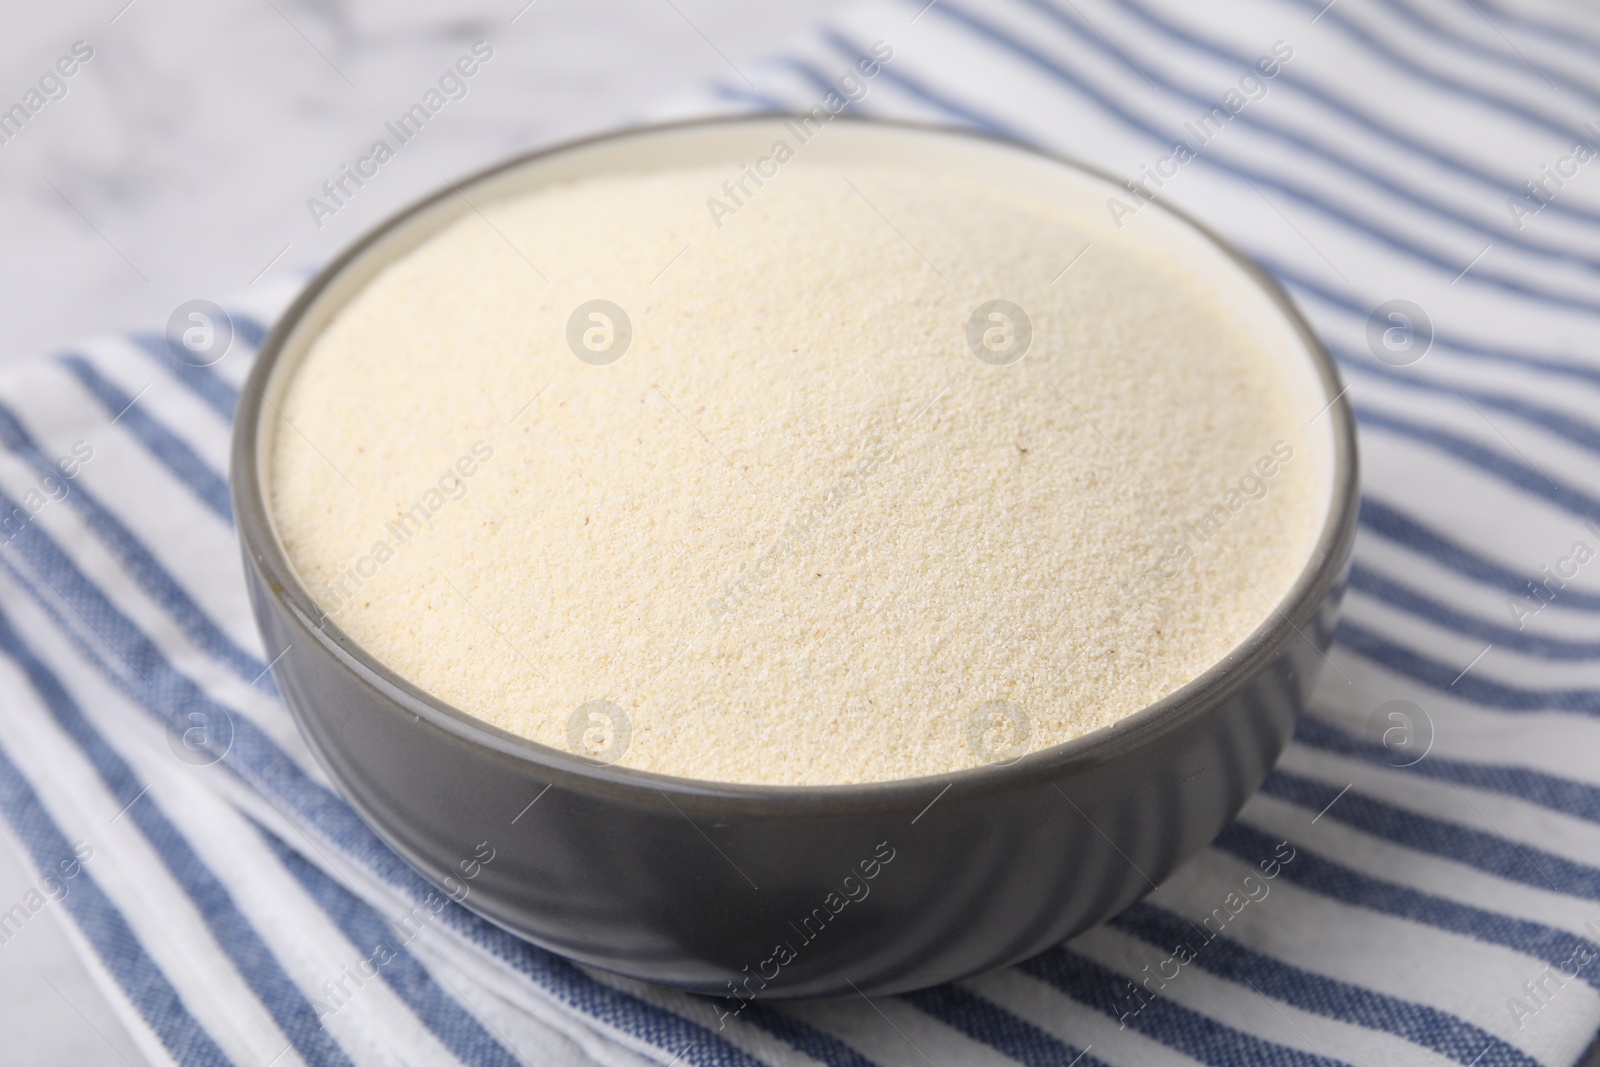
<point>1419,174</point>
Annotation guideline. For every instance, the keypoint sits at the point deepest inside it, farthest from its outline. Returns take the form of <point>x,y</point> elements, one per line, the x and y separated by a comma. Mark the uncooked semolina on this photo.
<point>799,532</point>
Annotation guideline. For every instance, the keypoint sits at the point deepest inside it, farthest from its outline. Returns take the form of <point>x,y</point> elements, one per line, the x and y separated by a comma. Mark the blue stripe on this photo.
<point>1510,62</point>
<point>639,1019</point>
<point>1406,142</point>
<point>999,1029</point>
<point>170,697</point>
<point>766,103</point>
<point>104,927</point>
<point>1399,595</point>
<point>378,943</point>
<point>1448,264</point>
<point>1484,850</point>
<point>233,932</point>
<point>1560,34</point>
<point>1329,997</point>
<point>204,382</point>
<point>1337,882</point>
<point>1195,1035</point>
<point>1430,75</point>
<point>917,89</point>
<point>1551,420</point>
<point>248,329</point>
<point>1536,787</point>
<point>137,560</point>
<point>1295,280</point>
<point>170,450</point>
<point>1303,145</point>
<point>1392,524</point>
<point>805,1038</point>
<point>1471,687</point>
<point>763,102</point>
<point>1458,446</point>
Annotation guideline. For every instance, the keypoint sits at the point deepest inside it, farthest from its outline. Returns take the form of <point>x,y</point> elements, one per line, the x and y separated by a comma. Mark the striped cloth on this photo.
<point>1435,889</point>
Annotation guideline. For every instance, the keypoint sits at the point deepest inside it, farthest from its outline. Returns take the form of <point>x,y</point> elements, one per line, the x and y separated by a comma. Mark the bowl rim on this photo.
<point>1323,569</point>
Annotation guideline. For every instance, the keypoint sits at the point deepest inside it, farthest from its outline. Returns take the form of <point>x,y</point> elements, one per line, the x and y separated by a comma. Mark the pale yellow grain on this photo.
<point>982,562</point>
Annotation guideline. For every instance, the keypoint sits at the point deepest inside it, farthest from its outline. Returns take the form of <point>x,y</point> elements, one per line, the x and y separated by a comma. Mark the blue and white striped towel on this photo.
<point>1447,911</point>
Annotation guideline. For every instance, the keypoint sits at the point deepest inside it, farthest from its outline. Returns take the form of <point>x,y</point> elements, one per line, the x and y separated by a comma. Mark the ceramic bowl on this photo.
<point>797,891</point>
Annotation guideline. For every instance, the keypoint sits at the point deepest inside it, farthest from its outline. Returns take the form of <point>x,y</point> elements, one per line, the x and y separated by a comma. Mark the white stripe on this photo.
<point>1558,618</point>
<point>166,399</point>
<point>1252,1010</point>
<point>891,1032</point>
<point>144,1037</point>
<point>177,409</point>
<point>369,1020</point>
<point>1451,972</point>
<point>1435,876</point>
<point>73,535</point>
<point>739,1032</point>
<point>131,873</point>
<point>1523,824</point>
<point>190,541</point>
<point>1078,1025</point>
<point>1553,742</point>
<point>514,1020</point>
<point>1465,652</point>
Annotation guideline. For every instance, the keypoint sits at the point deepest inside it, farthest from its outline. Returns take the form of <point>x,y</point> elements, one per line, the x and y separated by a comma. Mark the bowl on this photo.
<point>798,891</point>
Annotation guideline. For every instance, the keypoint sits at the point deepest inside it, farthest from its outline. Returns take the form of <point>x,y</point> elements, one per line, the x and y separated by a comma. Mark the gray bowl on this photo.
<point>795,891</point>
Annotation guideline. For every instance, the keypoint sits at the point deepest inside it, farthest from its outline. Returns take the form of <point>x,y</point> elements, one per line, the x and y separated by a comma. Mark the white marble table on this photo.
<point>178,163</point>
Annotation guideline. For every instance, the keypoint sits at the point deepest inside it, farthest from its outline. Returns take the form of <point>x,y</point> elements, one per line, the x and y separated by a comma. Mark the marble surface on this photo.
<point>178,163</point>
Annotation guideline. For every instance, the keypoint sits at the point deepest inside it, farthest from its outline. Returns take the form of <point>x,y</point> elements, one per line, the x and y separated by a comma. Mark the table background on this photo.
<point>178,165</point>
